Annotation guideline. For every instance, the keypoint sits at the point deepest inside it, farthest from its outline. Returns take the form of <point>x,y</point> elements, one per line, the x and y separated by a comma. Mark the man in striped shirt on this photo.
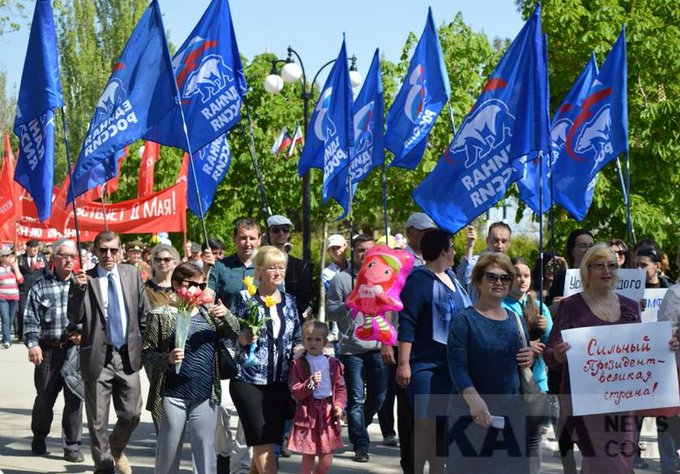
<point>49,336</point>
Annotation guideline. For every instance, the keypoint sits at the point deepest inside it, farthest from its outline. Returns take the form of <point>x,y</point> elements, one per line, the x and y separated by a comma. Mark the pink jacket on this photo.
<point>300,374</point>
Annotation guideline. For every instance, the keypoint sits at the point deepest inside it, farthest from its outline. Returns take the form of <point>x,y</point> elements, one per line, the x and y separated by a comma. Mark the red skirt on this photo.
<point>315,430</point>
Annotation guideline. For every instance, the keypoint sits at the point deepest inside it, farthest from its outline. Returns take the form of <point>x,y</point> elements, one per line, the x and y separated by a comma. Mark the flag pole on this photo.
<point>70,184</point>
<point>453,123</point>
<point>629,219</point>
<point>384,199</point>
<point>190,150</point>
<point>540,230</point>
<point>103,191</point>
<point>250,140</point>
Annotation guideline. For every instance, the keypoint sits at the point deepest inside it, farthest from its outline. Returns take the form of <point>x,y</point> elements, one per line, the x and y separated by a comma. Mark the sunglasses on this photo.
<point>192,284</point>
<point>611,266</point>
<point>621,253</point>
<point>104,251</point>
<point>280,228</point>
<point>163,260</point>
<point>504,278</point>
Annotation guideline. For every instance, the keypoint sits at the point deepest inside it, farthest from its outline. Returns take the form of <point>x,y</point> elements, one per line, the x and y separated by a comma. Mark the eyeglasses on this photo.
<point>611,266</point>
<point>280,228</point>
<point>504,278</point>
<point>279,269</point>
<point>192,284</point>
<point>621,253</point>
<point>104,251</point>
<point>66,256</point>
<point>584,246</point>
<point>163,260</point>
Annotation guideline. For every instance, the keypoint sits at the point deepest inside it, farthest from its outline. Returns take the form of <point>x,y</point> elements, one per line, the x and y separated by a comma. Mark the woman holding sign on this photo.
<point>605,440</point>
<point>485,352</point>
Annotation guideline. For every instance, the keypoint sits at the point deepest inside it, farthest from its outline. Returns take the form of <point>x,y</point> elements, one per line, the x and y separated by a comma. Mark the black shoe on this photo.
<point>285,452</point>
<point>360,456</point>
<point>223,463</point>
<point>73,456</point>
<point>38,447</point>
<point>390,441</point>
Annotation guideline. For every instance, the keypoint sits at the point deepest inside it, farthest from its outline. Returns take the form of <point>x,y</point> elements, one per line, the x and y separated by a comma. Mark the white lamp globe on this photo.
<point>273,84</point>
<point>355,78</point>
<point>141,151</point>
<point>291,72</point>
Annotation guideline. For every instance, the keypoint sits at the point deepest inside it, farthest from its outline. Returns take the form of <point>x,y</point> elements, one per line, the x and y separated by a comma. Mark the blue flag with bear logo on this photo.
<point>211,83</point>
<point>331,135</point>
<point>138,95</point>
<point>368,151</point>
<point>211,164</point>
<point>508,122</point>
<point>39,94</point>
<point>596,133</point>
<point>420,100</point>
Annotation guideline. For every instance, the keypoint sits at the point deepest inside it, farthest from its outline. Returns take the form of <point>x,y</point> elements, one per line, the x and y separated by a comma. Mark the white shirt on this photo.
<point>320,363</point>
<point>104,287</point>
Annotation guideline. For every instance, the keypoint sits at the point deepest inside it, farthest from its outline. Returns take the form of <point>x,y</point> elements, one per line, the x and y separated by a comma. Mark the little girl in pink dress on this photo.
<point>319,388</point>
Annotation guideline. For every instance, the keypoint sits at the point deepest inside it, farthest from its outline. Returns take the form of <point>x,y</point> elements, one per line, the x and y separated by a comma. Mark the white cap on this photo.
<point>420,221</point>
<point>335,240</point>
<point>279,220</point>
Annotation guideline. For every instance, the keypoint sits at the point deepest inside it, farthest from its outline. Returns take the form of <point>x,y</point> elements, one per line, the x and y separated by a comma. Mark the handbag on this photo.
<point>228,368</point>
<point>536,401</point>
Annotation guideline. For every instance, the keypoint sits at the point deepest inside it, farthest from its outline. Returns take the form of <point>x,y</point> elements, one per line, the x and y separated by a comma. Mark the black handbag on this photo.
<point>228,368</point>
<point>535,400</point>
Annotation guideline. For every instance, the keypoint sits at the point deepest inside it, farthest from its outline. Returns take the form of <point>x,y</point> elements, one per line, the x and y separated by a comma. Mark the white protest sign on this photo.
<point>653,298</point>
<point>621,367</point>
<point>631,283</point>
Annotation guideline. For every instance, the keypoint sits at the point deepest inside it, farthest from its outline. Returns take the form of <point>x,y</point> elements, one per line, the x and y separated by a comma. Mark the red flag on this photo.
<point>297,139</point>
<point>282,143</point>
<point>9,204</point>
<point>152,153</point>
<point>183,169</point>
<point>112,184</point>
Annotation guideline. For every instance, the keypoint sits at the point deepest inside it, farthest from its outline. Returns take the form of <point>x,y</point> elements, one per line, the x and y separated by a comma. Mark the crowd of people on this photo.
<point>248,351</point>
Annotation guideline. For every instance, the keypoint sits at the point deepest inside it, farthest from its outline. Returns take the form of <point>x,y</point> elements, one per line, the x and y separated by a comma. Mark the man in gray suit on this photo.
<point>110,303</point>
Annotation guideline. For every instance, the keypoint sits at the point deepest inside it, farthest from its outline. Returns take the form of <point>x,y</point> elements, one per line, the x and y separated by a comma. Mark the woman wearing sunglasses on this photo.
<point>164,259</point>
<point>193,394</point>
<point>485,352</point>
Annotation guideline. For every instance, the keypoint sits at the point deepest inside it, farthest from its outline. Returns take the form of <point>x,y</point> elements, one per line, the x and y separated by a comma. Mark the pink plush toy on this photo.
<point>377,289</point>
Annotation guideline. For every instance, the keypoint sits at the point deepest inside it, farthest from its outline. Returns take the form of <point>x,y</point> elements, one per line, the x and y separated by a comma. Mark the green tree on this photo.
<point>575,29</point>
<point>7,104</point>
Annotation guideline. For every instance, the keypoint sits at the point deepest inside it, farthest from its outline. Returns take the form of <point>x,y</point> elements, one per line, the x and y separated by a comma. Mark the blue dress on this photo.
<point>429,308</point>
<point>481,354</point>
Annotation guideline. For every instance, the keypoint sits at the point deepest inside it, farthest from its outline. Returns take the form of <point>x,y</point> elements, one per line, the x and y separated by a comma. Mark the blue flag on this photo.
<point>509,121</point>
<point>211,164</point>
<point>39,95</point>
<point>368,149</point>
<point>139,94</point>
<point>567,181</point>
<point>211,83</point>
<point>595,132</point>
<point>422,95</point>
<point>331,134</point>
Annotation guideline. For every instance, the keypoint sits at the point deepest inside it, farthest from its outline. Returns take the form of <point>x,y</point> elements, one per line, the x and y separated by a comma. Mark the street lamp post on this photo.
<point>293,72</point>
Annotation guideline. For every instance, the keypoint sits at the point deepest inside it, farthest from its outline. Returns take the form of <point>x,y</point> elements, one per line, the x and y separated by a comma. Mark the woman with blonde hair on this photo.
<point>260,390</point>
<point>596,305</point>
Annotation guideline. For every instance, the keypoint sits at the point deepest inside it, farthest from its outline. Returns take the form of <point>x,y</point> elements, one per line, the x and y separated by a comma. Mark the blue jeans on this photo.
<point>7,310</point>
<point>366,380</point>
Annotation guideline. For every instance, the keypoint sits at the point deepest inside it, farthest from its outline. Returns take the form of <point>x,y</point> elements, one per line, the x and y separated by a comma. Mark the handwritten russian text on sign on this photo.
<point>653,299</point>
<point>621,367</point>
<point>631,283</point>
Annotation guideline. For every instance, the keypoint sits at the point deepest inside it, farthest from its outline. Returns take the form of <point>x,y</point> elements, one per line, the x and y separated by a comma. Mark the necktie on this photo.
<point>114,319</point>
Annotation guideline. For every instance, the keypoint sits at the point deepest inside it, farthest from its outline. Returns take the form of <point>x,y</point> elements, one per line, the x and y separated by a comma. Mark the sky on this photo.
<point>313,28</point>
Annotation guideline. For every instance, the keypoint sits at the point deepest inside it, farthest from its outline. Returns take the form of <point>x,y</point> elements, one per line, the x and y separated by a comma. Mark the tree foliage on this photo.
<point>575,29</point>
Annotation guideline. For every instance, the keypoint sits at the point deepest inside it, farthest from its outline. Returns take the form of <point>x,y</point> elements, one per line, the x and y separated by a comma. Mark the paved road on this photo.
<point>16,400</point>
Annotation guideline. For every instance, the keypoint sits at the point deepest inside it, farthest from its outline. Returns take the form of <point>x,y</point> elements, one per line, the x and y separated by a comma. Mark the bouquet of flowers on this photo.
<point>256,319</point>
<point>187,300</point>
